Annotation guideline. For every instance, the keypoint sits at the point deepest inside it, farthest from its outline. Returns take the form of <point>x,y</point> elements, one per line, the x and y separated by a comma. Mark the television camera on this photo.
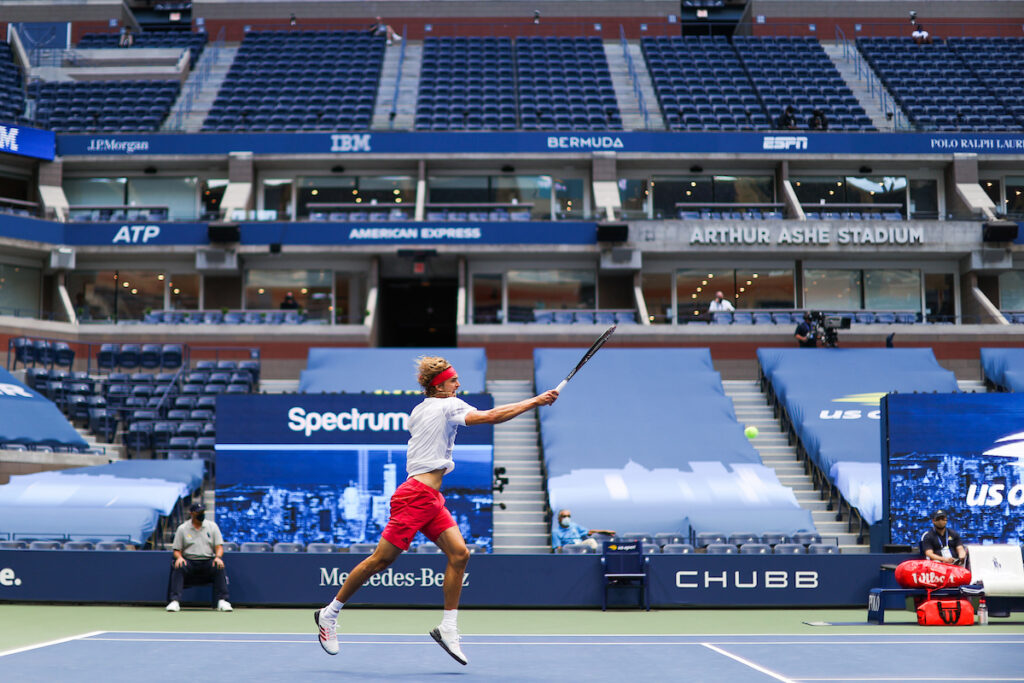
<point>825,328</point>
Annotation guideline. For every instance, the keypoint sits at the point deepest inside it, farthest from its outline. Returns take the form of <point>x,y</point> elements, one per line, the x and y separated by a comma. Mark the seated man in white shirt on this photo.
<point>720,303</point>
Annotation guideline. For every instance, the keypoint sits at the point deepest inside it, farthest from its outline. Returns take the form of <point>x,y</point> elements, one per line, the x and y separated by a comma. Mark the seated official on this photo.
<point>568,532</point>
<point>942,544</point>
<point>198,559</point>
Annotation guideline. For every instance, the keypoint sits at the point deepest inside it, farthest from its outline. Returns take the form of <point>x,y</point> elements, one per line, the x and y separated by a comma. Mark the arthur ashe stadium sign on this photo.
<point>809,235</point>
<point>854,144</point>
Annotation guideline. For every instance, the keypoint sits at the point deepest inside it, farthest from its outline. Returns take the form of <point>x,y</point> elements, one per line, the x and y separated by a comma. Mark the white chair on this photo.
<point>999,567</point>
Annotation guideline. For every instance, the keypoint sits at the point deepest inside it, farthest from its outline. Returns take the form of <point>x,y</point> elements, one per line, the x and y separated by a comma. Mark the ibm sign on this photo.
<point>27,142</point>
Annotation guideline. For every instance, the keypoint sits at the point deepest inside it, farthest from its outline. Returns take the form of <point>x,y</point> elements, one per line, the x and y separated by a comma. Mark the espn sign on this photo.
<point>785,142</point>
<point>9,138</point>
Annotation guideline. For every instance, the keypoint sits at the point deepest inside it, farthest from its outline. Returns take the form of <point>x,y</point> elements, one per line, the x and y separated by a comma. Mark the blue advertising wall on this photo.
<point>424,232</point>
<point>416,580</point>
<point>322,468</point>
<point>27,142</point>
<point>534,143</point>
<point>960,452</point>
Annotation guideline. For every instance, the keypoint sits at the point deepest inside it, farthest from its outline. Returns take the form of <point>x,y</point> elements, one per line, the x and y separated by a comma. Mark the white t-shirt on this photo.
<point>919,34</point>
<point>432,426</point>
<point>723,305</point>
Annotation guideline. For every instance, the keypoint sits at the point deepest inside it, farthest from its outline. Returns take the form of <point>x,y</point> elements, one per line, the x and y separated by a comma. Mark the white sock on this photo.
<point>448,620</point>
<point>332,610</point>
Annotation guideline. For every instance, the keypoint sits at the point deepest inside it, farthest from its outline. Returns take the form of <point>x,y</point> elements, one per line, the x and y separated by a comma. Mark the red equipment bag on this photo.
<point>956,612</point>
<point>931,575</point>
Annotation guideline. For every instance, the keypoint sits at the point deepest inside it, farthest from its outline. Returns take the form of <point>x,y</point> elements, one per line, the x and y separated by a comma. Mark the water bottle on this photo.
<point>982,612</point>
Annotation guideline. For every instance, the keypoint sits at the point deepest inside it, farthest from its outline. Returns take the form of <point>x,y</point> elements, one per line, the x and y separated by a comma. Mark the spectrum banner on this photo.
<point>963,453</point>
<point>314,468</point>
<point>538,143</point>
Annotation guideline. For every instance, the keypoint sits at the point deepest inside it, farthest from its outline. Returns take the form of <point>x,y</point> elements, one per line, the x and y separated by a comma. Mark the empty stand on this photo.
<point>999,64</point>
<point>355,370</point>
<point>796,71</point>
<point>467,83</point>
<point>701,84</point>
<point>103,106</point>
<point>194,42</point>
<point>829,398</point>
<point>300,80</point>
<point>565,84</point>
<point>937,86</point>
<point>12,92</point>
<point>670,457</point>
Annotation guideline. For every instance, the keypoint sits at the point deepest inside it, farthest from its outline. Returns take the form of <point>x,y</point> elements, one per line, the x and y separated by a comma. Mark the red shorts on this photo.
<point>416,507</point>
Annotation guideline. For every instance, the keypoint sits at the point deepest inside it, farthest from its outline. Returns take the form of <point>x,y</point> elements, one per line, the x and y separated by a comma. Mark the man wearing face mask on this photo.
<point>568,532</point>
<point>198,559</point>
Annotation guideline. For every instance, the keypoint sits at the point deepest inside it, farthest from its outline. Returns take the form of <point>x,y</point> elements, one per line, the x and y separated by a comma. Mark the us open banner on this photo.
<point>963,453</point>
<point>321,468</point>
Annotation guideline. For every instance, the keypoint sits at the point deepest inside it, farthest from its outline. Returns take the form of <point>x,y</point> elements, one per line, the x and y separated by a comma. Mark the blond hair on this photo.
<point>427,368</point>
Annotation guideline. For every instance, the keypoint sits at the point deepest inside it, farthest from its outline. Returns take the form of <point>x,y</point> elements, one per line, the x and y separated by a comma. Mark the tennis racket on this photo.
<point>587,356</point>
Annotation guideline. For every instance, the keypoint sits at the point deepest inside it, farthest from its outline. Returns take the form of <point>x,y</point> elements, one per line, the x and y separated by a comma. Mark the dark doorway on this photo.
<point>415,312</point>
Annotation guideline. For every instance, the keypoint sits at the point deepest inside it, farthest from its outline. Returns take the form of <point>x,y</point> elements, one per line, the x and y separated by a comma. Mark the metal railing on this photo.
<point>633,75</point>
<point>874,85</point>
<point>398,81</point>
<point>197,82</point>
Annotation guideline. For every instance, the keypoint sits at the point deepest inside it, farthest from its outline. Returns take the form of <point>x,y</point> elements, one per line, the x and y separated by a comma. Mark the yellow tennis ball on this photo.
<point>751,432</point>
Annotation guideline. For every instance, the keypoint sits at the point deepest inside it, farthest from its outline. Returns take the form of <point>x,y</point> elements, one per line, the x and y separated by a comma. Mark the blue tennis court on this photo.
<point>117,656</point>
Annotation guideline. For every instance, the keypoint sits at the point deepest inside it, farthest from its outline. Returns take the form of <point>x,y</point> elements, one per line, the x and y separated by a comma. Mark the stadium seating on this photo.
<point>701,84</point>
<point>999,64</point>
<point>354,370</point>
<point>300,80</point>
<point>612,473</point>
<point>1003,368</point>
<point>195,42</point>
<point>565,84</point>
<point>937,86</point>
<point>828,399</point>
<point>12,94</point>
<point>103,106</point>
<point>467,83</point>
<point>796,71</point>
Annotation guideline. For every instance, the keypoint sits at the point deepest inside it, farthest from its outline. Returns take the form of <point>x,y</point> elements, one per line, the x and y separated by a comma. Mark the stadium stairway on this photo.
<point>522,526</point>
<point>622,82</point>
<point>859,86</point>
<point>752,408</point>
<point>405,108</point>
<point>972,386</point>
<point>187,120</point>
<point>114,451</point>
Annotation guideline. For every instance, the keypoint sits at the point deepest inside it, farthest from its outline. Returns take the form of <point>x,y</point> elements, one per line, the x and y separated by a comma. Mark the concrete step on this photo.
<point>521,549</point>
<point>847,68</point>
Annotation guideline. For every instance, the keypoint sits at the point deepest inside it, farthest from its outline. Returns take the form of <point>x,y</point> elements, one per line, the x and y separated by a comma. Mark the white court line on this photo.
<point>747,662</point>
<point>377,642</point>
<point>732,638</point>
<point>905,678</point>
<point>80,636</point>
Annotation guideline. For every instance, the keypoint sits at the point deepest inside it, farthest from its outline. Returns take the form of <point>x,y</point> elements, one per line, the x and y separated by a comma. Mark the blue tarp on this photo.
<point>1004,368</point>
<point>354,370</point>
<point>187,472</point>
<point>27,417</point>
<point>60,489</point>
<point>708,497</point>
<point>831,397</point>
<point>135,525</point>
<point>655,407</point>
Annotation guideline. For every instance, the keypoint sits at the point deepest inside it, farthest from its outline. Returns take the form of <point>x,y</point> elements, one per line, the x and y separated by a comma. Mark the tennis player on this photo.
<point>417,505</point>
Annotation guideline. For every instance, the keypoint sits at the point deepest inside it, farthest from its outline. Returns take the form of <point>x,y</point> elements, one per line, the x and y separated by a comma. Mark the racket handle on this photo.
<point>561,385</point>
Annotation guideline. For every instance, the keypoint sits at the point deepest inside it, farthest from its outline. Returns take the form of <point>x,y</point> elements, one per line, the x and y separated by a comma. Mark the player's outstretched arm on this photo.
<point>499,414</point>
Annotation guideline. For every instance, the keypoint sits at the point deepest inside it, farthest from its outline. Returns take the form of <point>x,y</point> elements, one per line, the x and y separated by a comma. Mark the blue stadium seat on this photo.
<point>721,549</point>
<point>789,549</point>
<point>755,549</point>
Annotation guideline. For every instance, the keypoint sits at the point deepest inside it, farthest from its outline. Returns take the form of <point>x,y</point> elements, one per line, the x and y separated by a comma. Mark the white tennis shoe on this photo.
<point>449,640</point>
<point>328,632</point>
<point>173,606</point>
<point>224,606</point>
